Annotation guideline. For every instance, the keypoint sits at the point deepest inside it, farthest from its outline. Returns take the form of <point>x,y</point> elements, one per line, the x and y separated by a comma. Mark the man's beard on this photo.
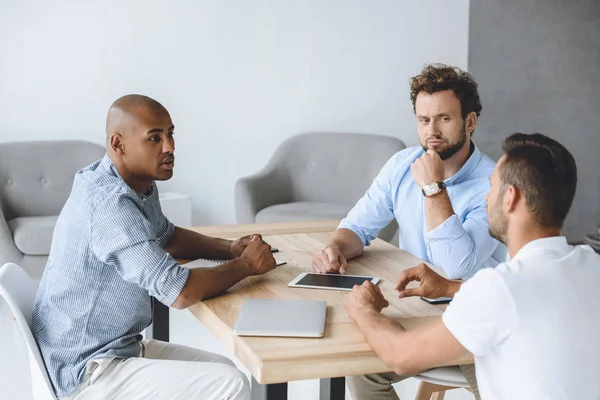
<point>498,233</point>
<point>498,223</point>
<point>452,148</point>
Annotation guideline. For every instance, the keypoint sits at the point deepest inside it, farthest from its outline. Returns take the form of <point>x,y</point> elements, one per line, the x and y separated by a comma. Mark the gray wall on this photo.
<point>538,67</point>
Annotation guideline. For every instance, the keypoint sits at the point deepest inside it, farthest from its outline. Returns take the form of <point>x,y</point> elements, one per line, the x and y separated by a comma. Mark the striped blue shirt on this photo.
<point>461,245</point>
<point>107,258</point>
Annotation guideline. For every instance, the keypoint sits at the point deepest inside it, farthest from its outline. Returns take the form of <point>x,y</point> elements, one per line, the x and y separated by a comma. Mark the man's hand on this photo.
<point>257,256</point>
<point>432,286</point>
<point>428,168</point>
<point>365,298</point>
<point>238,246</point>
<point>328,260</point>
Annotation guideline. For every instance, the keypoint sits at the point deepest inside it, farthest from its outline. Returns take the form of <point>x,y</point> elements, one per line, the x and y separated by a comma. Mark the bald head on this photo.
<point>126,109</point>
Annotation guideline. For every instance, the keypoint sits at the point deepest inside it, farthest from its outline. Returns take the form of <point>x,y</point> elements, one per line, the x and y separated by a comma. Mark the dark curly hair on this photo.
<point>440,77</point>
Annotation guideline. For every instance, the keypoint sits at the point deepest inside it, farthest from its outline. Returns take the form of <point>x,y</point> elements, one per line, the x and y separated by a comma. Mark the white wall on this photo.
<point>239,77</point>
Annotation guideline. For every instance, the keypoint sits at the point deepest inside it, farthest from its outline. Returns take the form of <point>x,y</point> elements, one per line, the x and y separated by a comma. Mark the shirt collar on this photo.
<point>109,166</point>
<point>467,168</point>
<point>554,243</point>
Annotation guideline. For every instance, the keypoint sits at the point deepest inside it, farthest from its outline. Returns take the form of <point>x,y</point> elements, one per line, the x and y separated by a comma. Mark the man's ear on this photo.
<point>470,122</point>
<point>116,143</point>
<point>511,198</point>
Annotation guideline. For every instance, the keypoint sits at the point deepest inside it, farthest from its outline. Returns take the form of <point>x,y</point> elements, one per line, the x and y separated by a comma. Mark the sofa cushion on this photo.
<point>33,235</point>
<point>302,211</point>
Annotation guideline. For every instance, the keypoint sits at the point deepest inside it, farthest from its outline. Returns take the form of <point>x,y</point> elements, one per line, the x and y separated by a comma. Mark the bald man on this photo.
<point>112,249</point>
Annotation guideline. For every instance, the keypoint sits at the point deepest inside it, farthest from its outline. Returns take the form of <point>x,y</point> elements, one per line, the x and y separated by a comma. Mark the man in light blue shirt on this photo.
<point>111,250</point>
<point>435,191</point>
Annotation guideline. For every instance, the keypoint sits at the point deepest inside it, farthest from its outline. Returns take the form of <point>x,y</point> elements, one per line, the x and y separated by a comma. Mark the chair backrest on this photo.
<point>36,177</point>
<point>19,290</point>
<point>333,167</point>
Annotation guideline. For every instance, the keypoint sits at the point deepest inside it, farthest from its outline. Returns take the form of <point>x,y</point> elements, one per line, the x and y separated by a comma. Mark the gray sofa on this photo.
<point>312,176</point>
<point>35,181</point>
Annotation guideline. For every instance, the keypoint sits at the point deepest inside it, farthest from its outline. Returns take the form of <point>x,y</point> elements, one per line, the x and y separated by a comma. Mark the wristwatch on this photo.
<point>433,188</point>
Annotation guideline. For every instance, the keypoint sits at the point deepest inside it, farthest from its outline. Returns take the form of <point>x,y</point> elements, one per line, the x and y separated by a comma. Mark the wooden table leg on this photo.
<point>160,321</point>
<point>274,391</point>
<point>332,389</point>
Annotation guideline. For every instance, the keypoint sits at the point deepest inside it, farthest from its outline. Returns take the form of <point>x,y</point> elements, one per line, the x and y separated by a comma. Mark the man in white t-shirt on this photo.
<point>532,324</point>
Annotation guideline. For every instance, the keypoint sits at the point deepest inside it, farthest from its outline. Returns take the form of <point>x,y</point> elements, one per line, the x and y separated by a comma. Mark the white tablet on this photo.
<point>330,281</point>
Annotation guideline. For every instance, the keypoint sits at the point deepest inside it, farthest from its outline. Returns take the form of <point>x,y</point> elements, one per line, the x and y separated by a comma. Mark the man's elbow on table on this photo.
<point>400,355</point>
<point>191,293</point>
<point>187,299</point>
<point>404,363</point>
<point>183,301</point>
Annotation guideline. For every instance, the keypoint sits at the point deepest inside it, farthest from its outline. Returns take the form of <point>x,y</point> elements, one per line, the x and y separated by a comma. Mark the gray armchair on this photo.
<point>35,182</point>
<point>313,176</point>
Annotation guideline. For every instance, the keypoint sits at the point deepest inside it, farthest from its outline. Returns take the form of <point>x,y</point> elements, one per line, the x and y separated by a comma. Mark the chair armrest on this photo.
<point>8,250</point>
<point>266,188</point>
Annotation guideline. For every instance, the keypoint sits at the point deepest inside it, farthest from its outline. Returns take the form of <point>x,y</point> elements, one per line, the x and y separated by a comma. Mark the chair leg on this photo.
<point>431,391</point>
<point>425,391</point>
<point>439,395</point>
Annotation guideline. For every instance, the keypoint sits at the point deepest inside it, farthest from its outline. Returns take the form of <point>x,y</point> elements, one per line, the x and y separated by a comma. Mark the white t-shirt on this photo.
<point>533,324</point>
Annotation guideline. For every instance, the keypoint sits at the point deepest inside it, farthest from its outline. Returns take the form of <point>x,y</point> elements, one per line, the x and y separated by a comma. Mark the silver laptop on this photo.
<point>295,318</point>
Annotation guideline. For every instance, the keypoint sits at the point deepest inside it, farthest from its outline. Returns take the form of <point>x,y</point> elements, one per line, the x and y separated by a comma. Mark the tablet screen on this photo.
<point>333,281</point>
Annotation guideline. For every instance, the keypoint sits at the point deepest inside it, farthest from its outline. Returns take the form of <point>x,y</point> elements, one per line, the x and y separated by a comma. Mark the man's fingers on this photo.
<point>406,277</point>
<point>411,292</point>
<point>332,259</point>
<point>402,282</point>
<point>343,264</point>
<point>320,268</point>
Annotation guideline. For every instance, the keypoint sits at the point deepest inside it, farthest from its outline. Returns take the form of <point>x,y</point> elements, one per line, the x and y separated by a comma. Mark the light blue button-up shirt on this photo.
<point>462,244</point>
<point>105,262</point>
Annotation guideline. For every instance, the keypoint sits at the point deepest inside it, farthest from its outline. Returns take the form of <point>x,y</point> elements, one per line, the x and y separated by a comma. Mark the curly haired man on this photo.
<point>435,191</point>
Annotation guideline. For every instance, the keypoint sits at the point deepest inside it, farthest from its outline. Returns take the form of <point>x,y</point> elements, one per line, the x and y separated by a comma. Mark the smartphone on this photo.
<point>439,300</point>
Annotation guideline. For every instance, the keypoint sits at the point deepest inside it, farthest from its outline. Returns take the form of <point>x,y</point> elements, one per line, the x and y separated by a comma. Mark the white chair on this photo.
<point>435,382</point>
<point>19,290</point>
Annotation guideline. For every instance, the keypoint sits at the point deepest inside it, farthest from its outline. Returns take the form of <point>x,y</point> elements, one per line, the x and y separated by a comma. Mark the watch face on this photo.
<point>431,188</point>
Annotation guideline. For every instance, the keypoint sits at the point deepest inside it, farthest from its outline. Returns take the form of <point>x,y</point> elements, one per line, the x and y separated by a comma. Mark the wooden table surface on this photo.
<point>343,350</point>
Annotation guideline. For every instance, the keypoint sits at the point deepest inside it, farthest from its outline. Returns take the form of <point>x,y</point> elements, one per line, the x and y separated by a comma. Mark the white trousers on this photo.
<point>163,371</point>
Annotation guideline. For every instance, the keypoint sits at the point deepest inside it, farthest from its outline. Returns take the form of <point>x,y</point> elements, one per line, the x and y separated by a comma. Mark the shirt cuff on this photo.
<point>364,238</point>
<point>164,240</point>
<point>451,229</point>
<point>171,282</point>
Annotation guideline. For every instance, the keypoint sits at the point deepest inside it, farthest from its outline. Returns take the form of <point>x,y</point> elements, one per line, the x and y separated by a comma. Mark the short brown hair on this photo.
<point>440,77</point>
<point>544,171</point>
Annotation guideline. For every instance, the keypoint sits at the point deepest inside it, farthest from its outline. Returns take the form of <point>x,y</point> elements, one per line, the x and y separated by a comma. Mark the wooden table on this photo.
<point>343,351</point>
<point>159,329</point>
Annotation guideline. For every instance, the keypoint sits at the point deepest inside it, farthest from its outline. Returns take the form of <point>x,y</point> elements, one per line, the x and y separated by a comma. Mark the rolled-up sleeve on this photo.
<point>165,231</point>
<point>375,210</point>
<point>124,239</point>
<point>461,247</point>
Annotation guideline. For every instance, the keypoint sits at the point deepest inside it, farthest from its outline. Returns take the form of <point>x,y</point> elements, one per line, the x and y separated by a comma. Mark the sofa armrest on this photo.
<point>266,188</point>
<point>8,250</point>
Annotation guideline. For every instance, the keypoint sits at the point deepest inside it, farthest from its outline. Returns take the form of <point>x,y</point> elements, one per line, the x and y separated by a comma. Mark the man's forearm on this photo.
<point>348,242</point>
<point>438,209</point>
<point>204,283</point>
<point>382,334</point>
<point>408,353</point>
<point>189,244</point>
